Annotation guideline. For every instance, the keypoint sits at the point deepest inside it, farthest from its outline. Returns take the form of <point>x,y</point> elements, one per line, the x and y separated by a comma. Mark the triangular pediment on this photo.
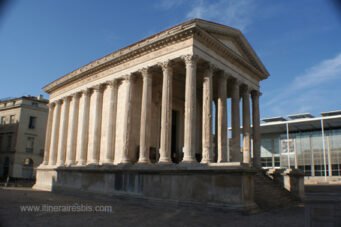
<point>230,43</point>
<point>234,41</point>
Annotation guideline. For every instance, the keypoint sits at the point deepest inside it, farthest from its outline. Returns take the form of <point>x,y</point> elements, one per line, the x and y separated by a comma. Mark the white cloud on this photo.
<point>235,13</point>
<point>326,71</point>
<point>308,92</point>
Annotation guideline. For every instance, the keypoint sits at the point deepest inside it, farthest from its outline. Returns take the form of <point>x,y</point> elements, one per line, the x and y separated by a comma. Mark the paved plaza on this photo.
<point>127,212</point>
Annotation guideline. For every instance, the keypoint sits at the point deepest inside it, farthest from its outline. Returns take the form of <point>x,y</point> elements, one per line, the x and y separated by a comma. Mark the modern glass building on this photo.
<point>312,144</point>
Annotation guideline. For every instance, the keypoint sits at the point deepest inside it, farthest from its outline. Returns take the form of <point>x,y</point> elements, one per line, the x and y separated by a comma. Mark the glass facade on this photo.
<point>309,151</point>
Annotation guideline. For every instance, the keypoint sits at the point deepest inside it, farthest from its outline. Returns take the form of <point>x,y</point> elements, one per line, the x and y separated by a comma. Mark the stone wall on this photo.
<point>230,187</point>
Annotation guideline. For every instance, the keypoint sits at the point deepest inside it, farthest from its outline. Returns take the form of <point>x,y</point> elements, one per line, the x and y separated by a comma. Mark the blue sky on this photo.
<point>298,42</point>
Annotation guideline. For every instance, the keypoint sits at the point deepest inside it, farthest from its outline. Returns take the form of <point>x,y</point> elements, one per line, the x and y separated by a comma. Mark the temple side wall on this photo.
<point>232,188</point>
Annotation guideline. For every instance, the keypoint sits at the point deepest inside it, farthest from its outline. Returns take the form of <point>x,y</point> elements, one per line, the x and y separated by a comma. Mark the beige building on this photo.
<point>22,135</point>
<point>150,105</point>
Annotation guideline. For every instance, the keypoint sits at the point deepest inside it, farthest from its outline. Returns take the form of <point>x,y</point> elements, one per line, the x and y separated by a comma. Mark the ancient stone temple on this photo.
<point>151,119</point>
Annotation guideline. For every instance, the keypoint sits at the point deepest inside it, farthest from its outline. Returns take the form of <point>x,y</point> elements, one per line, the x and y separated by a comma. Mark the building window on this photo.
<point>30,145</point>
<point>32,123</point>
<point>12,119</point>
<point>35,104</point>
<point>3,120</point>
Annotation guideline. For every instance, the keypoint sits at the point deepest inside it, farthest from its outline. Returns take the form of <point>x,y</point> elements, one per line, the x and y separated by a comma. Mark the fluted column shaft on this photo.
<point>166,113</point>
<point>207,149</point>
<point>246,126</point>
<point>48,134</point>
<point>127,120</point>
<point>83,128</point>
<point>63,131</point>
<point>222,119</point>
<point>145,116</point>
<point>95,126</point>
<point>55,134</point>
<point>72,130</point>
<point>235,121</point>
<point>109,124</point>
<point>190,108</point>
<point>256,128</point>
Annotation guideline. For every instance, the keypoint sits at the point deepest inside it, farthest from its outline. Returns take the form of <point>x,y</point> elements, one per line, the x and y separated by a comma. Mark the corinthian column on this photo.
<point>166,113</point>
<point>109,124</point>
<point>55,134</point>
<point>246,125</point>
<point>236,154</point>
<point>126,132</point>
<point>72,130</point>
<point>190,108</point>
<point>207,155</point>
<point>63,131</point>
<point>95,125</point>
<point>222,119</point>
<point>83,128</point>
<point>145,116</point>
<point>256,128</point>
<point>48,134</point>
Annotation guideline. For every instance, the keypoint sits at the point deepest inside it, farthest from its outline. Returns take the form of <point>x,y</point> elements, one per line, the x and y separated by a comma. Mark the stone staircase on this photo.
<point>269,194</point>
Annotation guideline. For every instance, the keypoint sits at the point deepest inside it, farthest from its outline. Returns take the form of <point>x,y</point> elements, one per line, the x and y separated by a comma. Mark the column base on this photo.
<point>93,162</point>
<point>165,161</point>
<point>69,163</point>
<point>189,160</point>
<point>125,161</point>
<point>164,158</point>
<point>206,161</point>
<point>106,162</point>
<point>143,161</point>
<point>60,164</point>
<point>81,163</point>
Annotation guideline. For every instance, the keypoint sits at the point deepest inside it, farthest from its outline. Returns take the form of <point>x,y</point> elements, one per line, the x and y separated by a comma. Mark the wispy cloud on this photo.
<point>308,91</point>
<point>235,13</point>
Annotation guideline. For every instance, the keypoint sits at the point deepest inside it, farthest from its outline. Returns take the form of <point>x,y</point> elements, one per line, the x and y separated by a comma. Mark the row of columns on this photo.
<point>80,129</point>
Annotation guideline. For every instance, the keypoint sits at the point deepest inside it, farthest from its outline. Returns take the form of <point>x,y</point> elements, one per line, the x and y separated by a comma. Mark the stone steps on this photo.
<point>269,194</point>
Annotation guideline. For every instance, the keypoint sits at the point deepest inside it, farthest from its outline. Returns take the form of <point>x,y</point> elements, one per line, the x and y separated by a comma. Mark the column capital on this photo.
<point>166,65</point>
<point>77,94</point>
<point>210,70</point>
<point>236,82</point>
<point>51,105</point>
<point>97,88</point>
<point>111,83</point>
<point>255,93</point>
<point>190,59</point>
<point>145,72</point>
<point>86,91</point>
<point>66,99</point>
<point>127,78</point>
<point>245,89</point>
<point>59,102</point>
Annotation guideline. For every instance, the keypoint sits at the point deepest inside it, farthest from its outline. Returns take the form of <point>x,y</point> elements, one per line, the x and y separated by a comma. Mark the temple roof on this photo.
<point>232,39</point>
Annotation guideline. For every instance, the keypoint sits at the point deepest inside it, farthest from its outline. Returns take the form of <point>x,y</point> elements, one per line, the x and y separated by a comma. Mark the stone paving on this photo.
<point>127,212</point>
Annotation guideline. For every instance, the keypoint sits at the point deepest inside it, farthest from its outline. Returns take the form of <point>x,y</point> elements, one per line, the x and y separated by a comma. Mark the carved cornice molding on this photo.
<point>124,55</point>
